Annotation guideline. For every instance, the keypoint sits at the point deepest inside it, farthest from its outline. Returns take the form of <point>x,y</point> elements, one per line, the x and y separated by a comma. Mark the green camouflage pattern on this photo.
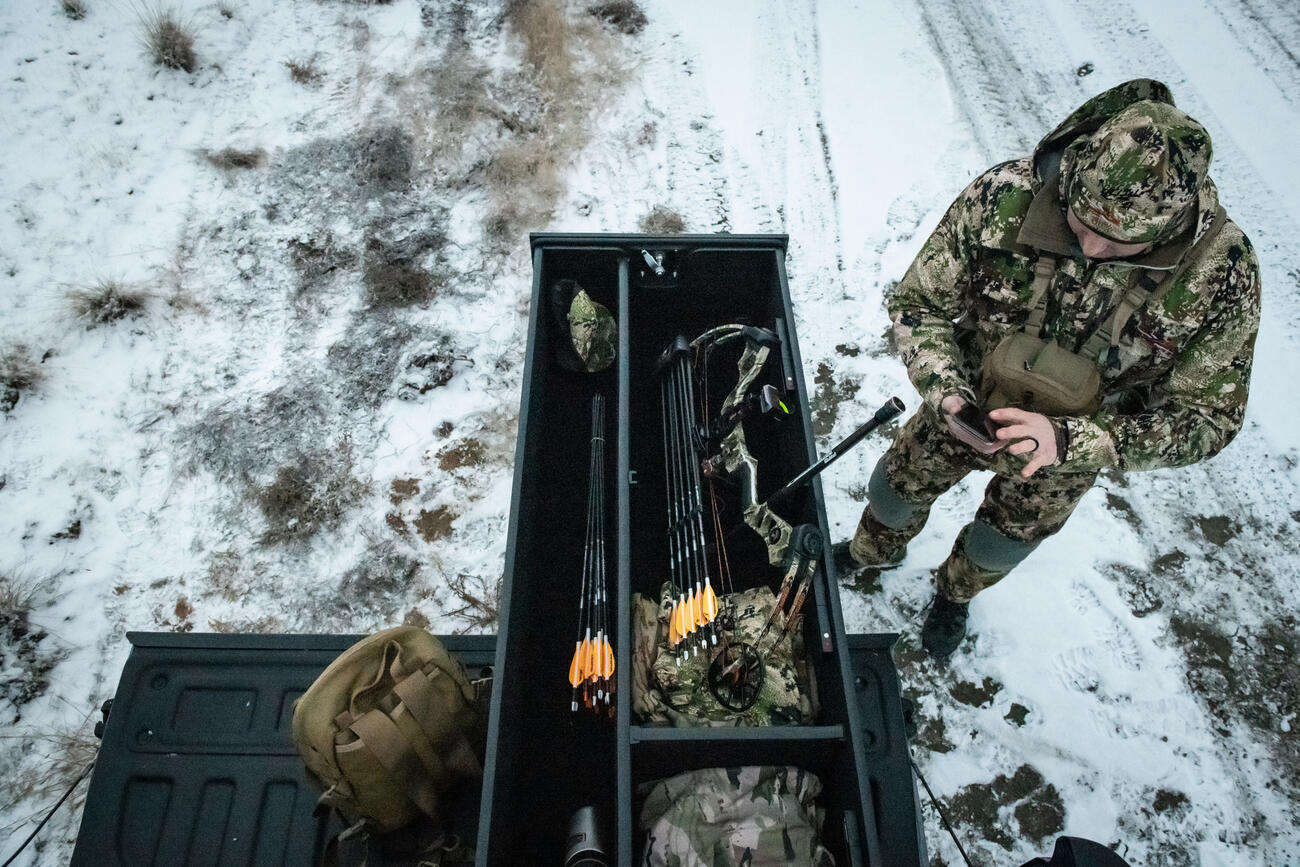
<point>593,332</point>
<point>925,460</point>
<point>1136,179</point>
<point>718,817</point>
<point>1174,391</point>
<point>665,692</point>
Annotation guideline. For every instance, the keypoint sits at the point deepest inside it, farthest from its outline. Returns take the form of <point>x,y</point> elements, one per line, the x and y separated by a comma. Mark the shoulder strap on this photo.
<point>1043,270</point>
<point>1143,291</point>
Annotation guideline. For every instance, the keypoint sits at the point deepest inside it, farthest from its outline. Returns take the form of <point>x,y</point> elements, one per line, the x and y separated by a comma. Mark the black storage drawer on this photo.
<point>544,761</point>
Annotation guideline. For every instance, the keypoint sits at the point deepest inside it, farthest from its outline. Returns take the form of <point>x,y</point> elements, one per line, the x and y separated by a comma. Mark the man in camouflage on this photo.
<point>1114,198</point>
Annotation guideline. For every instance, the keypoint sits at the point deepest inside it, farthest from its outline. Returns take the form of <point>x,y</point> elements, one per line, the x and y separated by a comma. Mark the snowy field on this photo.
<point>262,327</point>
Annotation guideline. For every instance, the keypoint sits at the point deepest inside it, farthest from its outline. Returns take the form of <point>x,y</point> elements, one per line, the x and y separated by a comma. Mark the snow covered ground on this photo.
<point>304,420</point>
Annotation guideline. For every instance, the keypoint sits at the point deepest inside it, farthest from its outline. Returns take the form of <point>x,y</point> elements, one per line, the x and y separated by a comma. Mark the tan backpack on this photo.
<point>386,729</point>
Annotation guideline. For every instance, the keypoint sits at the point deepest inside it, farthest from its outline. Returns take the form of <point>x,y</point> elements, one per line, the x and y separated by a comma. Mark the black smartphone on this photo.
<point>977,423</point>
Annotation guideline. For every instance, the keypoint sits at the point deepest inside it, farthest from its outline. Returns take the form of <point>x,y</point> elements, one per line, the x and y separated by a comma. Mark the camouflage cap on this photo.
<point>1136,178</point>
<point>592,330</point>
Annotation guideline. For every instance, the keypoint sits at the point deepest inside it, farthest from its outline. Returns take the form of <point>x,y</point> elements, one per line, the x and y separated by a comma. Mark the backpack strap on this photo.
<point>1043,270</point>
<point>399,756</point>
<point>422,700</point>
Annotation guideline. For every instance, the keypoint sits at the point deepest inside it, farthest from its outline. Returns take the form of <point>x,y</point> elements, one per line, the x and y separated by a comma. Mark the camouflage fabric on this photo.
<point>925,460</point>
<point>1175,390</point>
<point>1136,178</point>
<point>756,816</point>
<point>594,334</point>
<point>667,693</point>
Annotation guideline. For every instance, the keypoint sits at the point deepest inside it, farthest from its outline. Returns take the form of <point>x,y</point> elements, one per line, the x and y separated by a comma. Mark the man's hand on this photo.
<point>1035,434</point>
<point>951,405</point>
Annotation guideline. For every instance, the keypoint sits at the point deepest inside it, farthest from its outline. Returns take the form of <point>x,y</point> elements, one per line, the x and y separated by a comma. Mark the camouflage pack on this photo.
<point>757,816</point>
<point>588,335</point>
<point>669,692</point>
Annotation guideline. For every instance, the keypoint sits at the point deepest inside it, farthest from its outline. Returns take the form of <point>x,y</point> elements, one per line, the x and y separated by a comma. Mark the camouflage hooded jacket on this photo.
<point>1177,391</point>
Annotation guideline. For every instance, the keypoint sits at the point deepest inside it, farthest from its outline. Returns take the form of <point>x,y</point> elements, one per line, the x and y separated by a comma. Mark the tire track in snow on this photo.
<point>989,67</point>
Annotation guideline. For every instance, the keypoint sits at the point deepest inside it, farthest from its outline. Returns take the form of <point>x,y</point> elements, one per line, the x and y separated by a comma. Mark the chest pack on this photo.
<point>387,729</point>
<point>1029,372</point>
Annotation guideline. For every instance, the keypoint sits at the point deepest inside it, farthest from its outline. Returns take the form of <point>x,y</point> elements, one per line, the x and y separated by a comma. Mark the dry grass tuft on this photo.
<point>396,272</point>
<point>107,302</point>
<point>169,40</point>
<point>25,656</point>
<point>663,221</point>
<point>19,372</point>
<point>267,625</point>
<point>232,158</point>
<point>480,601</point>
<point>40,766</point>
<point>74,9</point>
<point>624,15</point>
<point>568,64</point>
<point>313,493</point>
<point>304,71</point>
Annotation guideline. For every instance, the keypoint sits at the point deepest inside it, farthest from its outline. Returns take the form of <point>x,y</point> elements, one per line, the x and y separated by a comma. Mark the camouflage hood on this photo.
<point>1134,168</point>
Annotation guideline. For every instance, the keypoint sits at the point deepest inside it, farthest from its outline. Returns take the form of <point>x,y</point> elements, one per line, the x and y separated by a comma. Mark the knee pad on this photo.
<point>991,551</point>
<point>886,505</point>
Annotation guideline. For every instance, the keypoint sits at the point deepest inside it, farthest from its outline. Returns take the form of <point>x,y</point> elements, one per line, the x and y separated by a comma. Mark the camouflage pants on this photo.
<point>924,461</point>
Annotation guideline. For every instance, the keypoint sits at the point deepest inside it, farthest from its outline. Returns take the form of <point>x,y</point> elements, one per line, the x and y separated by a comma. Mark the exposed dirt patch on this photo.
<point>436,524</point>
<point>403,489</point>
<point>396,523</point>
<point>466,453</point>
<point>1250,678</point>
<point>1124,509</point>
<point>828,394</point>
<point>1218,530</point>
<point>1169,564</point>
<point>848,350</point>
<point>975,696</point>
<point>1017,714</point>
<point>1140,592</point>
<point>1038,808</point>
<point>1166,800</point>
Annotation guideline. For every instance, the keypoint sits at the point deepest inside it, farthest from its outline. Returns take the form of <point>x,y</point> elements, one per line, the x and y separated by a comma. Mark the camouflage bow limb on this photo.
<point>734,459</point>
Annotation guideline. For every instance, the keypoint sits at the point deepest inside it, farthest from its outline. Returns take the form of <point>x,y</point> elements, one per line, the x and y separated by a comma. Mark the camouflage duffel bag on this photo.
<point>757,816</point>
<point>388,728</point>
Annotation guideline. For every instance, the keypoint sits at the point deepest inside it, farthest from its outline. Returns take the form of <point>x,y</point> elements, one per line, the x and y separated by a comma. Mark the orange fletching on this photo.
<point>607,660</point>
<point>591,664</point>
<point>575,670</point>
<point>710,604</point>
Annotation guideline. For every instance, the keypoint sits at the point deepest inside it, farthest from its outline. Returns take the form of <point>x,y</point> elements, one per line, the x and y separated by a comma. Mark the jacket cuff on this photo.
<point>1089,446</point>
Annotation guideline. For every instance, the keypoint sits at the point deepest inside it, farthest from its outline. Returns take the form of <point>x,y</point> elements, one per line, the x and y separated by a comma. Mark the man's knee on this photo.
<point>886,504</point>
<point>994,551</point>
